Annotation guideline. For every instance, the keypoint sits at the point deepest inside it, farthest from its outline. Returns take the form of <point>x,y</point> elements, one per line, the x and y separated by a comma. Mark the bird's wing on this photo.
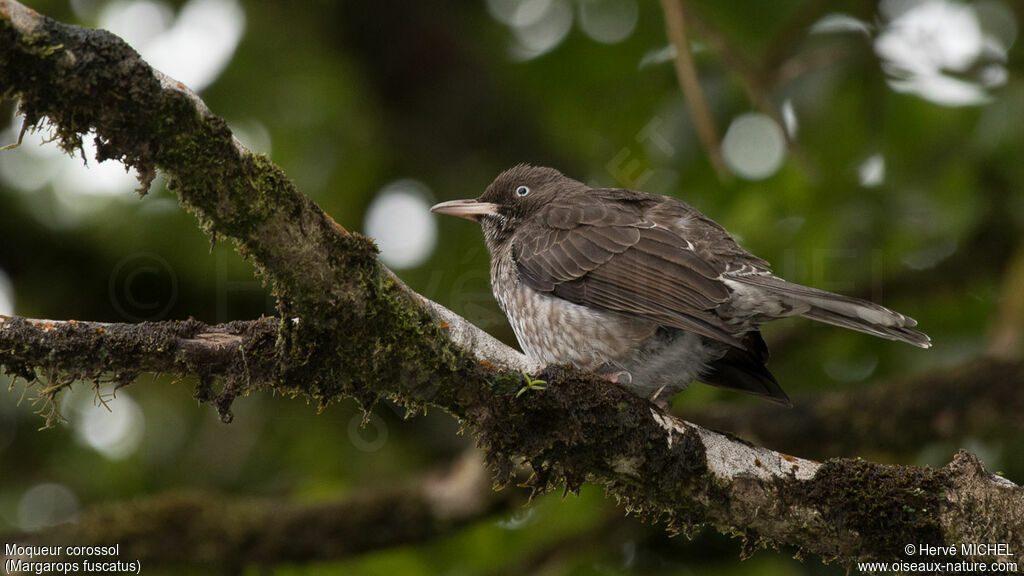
<point>616,256</point>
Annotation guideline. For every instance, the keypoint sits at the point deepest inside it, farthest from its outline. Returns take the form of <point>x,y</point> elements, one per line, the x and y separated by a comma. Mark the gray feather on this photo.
<point>838,310</point>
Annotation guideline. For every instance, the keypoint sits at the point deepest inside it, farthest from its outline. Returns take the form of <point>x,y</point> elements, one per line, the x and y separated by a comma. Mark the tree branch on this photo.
<point>348,328</point>
<point>203,528</point>
<point>240,354</point>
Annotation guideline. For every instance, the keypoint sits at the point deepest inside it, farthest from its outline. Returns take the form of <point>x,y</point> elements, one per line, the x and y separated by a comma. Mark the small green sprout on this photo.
<point>531,384</point>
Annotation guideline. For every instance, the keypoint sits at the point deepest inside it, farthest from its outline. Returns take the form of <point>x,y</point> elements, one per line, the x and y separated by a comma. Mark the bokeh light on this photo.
<point>789,119</point>
<point>540,26</point>
<point>656,56</point>
<point>608,21</point>
<point>192,48</point>
<point>37,163</point>
<point>517,519</point>
<point>754,146</point>
<point>115,433</point>
<point>399,220</point>
<point>938,50</point>
<point>254,135</point>
<point>45,505</point>
<point>871,172</point>
<point>838,23</point>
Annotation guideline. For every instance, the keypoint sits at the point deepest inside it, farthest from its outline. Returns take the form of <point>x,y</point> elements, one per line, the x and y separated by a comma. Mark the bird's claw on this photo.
<point>660,401</point>
<point>623,377</point>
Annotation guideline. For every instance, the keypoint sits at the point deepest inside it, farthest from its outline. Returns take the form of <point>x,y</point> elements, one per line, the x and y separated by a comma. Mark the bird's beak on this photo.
<point>468,209</point>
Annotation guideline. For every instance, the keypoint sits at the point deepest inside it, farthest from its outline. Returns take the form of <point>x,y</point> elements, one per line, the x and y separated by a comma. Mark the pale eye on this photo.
<point>522,191</point>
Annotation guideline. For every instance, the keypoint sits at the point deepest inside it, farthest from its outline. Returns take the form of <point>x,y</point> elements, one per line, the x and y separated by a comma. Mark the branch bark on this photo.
<point>64,352</point>
<point>349,328</point>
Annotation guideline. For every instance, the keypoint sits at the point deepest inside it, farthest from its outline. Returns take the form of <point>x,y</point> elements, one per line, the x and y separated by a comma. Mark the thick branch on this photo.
<point>585,430</point>
<point>349,329</point>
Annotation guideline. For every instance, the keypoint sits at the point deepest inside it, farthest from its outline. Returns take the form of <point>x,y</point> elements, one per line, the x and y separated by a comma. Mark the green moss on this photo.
<point>345,328</point>
<point>886,506</point>
<point>356,327</point>
<point>81,352</point>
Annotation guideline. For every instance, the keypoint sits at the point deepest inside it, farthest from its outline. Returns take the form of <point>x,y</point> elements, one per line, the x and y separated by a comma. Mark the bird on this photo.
<point>643,289</point>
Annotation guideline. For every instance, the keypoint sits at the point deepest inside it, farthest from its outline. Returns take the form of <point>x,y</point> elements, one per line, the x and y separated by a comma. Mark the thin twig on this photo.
<point>792,33</point>
<point>746,71</point>
<point>754,80</point>
<point>675,27</point>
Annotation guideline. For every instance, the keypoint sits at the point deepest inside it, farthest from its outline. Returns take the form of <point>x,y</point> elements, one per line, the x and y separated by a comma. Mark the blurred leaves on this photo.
<point>350,96</point>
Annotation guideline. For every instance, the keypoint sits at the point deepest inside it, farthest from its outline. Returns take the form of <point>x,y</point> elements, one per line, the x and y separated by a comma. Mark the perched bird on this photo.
<point>643,289</point>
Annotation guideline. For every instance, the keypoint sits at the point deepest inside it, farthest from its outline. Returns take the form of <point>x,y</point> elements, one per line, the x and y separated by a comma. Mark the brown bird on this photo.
<point>643,289</point>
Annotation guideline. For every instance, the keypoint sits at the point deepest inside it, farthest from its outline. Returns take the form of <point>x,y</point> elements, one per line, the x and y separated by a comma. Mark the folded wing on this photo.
<point>609,256</point>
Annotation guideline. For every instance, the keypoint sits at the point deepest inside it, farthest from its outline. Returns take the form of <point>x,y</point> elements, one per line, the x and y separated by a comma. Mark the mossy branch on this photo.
<point>52,355</point>
<point>348,328</point>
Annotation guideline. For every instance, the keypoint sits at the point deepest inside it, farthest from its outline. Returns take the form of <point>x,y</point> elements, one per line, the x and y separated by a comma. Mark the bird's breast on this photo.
<point>553,330</point>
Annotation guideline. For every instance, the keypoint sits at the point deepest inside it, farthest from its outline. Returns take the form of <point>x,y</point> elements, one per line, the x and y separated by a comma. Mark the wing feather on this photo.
<point>610,257</point>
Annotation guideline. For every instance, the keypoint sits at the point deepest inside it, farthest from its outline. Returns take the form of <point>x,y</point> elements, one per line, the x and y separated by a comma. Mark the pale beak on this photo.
<point>468,209</point>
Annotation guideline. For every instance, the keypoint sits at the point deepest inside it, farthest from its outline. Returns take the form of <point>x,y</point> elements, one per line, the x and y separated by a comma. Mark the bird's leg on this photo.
<point>663,403</point>
<point>621,377</point>
<point>603,371</point>
<point>625,378</point>
<point>654,397</point>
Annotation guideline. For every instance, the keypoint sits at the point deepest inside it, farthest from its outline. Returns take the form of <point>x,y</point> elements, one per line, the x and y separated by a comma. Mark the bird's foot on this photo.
<point>660,402</point>
<point>654,396</point>
<point>621,377</point>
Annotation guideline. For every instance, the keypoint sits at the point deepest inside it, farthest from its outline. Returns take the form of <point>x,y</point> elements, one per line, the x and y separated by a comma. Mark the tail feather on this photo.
<point>898,333</point>
<point>839,310</point>
<point>744,370</point>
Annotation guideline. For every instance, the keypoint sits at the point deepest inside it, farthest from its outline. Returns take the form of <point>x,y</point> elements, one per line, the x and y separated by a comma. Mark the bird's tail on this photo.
<point>839,310</point>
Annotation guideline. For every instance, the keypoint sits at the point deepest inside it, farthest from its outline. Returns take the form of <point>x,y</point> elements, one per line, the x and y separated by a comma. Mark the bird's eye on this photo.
<point>522,191</point>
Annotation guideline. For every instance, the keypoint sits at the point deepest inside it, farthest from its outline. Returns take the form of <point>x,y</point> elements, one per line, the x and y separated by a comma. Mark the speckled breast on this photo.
<point>553,330</point>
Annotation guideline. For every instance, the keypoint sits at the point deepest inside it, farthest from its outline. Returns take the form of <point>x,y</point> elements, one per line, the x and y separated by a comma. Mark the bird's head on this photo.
<point>516,194</point>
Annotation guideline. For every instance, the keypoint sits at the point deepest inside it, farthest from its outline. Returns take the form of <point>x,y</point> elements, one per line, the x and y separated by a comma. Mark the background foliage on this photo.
<point>893,195</point>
